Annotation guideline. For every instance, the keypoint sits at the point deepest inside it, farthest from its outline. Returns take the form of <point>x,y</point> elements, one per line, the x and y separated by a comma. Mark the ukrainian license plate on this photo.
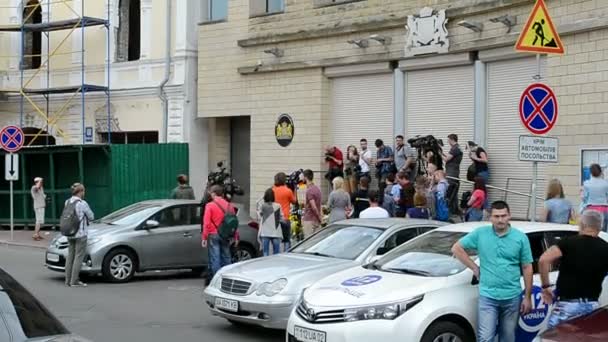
<point>226,304</point>
<point>52,257</point>
<point>308,335</point>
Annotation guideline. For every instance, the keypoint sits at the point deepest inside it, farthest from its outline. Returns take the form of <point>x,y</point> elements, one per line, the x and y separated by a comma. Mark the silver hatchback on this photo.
<point>149,235</point>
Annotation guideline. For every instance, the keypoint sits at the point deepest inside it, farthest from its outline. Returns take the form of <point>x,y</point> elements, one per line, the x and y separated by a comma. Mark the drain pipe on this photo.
<point>162,93</point>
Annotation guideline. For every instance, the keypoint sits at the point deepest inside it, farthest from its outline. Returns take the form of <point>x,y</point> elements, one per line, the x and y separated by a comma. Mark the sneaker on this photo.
<point>79,284</point>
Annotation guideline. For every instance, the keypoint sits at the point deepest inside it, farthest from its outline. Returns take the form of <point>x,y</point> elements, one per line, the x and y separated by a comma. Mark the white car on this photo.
<point>417,292</point>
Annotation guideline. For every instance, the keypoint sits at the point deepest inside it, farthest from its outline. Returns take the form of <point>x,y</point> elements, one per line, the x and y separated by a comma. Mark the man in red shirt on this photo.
<point>335,163</point>
<point>218,248</point>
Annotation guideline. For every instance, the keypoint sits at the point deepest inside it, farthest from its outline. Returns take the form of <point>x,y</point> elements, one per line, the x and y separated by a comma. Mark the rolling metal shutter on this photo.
<point>441,102</point>
<point>506,81</point>
<point>362,107</point>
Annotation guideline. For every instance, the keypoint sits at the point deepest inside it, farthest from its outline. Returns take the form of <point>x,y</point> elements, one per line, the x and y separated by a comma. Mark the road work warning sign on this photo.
<point>539,34</point>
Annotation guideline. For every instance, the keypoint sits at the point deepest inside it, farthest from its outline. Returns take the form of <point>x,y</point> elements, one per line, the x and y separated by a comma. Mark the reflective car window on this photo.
<point>32,318</point>
<point>132,214</point>
<point>340,241</point>
<point>430,254</point>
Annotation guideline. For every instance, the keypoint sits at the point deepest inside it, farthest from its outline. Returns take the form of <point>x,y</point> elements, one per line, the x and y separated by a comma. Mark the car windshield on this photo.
<point>23,316</point>
<point>340,241</point>
<point>429,255</point>
<point>132,214</point>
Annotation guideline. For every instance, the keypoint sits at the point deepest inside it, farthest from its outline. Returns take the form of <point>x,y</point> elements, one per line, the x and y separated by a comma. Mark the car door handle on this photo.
<point>188,235</point>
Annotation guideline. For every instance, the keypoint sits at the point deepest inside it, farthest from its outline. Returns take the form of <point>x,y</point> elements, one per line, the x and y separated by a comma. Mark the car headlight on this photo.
<point>93,241</point>
<point>271,289</point>
<point>216,281</point>
<point>386,311</point>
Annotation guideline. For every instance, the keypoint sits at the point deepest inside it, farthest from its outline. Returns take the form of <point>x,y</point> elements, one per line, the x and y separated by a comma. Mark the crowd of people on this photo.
<point>422,181</point>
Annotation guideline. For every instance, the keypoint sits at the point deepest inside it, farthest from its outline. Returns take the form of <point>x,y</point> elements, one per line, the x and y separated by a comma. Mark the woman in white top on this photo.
<point>270,216</point>
<point>595,194</point>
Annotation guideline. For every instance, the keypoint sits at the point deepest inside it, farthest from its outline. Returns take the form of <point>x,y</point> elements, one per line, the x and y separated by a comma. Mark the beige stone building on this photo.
<point>152,94</point>
<point>345,70</point>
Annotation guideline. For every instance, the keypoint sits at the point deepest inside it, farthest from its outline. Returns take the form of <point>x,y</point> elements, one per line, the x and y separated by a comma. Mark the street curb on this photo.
<point>20,244</point>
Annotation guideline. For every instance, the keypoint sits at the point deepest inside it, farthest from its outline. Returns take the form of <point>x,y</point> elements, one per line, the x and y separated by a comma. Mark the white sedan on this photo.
<point>417,292</point>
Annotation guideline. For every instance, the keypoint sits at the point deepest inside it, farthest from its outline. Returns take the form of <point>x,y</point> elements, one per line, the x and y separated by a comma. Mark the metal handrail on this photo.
<point>497,188</point>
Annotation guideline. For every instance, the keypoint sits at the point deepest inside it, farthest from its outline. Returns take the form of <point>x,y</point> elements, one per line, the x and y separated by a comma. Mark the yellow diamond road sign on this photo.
<point>539,34</point>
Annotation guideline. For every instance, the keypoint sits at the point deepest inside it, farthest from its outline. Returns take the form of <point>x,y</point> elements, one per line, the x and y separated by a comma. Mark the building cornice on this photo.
<point>580,26</point>
<point>379,23</point>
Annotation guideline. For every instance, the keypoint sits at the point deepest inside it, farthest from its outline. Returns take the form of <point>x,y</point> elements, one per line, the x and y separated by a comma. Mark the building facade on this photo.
<point>152,95</point>
<point>346,70</point>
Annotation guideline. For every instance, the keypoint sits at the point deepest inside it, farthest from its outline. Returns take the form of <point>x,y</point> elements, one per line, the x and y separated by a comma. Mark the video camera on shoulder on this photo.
<point>426,142</point>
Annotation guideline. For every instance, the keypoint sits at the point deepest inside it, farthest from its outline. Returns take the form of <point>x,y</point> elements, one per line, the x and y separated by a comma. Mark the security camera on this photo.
<point>258,65</point>
<point>381,39</point>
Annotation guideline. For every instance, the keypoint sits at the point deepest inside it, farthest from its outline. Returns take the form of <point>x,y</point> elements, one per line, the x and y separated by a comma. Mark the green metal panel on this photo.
<point>146,171</point>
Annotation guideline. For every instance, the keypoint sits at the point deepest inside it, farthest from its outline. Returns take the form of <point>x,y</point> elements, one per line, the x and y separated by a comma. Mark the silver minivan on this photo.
<point>149,235</point>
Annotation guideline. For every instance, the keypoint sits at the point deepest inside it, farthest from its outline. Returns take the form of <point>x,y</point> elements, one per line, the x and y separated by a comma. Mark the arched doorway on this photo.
<point>32,41</point>
<point>43,139</point>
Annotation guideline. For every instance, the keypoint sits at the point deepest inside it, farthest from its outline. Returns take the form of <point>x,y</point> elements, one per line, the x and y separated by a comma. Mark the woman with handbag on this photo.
<point>270,216</point>
<point>351,165</point>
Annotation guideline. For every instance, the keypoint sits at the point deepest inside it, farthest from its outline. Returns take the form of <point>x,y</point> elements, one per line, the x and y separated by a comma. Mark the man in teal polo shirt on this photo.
<point>504,253</point>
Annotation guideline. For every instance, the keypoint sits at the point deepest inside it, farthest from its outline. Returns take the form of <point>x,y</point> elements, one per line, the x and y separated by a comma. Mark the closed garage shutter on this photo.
<point>362,107</point>
<point>506,81</point>
<point>441,102</point>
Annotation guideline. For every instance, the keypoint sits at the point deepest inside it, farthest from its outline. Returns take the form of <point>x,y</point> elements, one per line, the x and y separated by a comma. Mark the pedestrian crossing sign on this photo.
<point>539,34</point>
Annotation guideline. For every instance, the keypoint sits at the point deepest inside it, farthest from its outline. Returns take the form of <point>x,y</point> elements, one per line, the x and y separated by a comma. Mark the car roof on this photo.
<point>526,227</point>
<point>167,202</point>
<point>388,223</point>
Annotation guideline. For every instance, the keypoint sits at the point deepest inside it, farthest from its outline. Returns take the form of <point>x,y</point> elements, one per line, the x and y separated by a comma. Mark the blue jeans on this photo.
<point>563,311</point>
<point>485,175</point>
<point>276,245</point>
<point>497,318</point>
<point>219,253</point>
<point>474,215</point>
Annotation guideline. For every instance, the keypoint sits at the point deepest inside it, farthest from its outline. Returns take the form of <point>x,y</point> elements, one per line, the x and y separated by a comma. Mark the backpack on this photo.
<point>69,223</point>
<point>442,212</point>
<point>229,225</point>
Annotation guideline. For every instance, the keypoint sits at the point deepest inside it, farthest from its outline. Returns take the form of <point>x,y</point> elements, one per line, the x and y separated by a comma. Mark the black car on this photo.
<point>24,319</point>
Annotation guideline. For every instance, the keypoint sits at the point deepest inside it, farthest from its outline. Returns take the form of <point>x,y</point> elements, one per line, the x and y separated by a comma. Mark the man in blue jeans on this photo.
<point>504,253</point>
<point>583,267</point>
<point>218,248</point>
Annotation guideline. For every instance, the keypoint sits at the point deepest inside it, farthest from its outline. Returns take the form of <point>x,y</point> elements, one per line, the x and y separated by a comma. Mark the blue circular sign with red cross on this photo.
<point>538,108</point>
<point>11,139</point>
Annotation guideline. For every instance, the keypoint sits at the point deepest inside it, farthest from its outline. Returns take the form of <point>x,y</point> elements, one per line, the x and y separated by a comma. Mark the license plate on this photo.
<point>52,257</point>
<point>308,335</point>
<point>227,304</point>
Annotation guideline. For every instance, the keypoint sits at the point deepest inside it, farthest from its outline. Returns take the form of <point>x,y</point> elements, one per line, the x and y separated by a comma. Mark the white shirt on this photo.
<point>367,154</point>
<point>374,212</point>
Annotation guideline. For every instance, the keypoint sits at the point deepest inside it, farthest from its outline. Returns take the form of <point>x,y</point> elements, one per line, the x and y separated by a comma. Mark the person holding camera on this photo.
<point>335,161</point>
<point>384,165</point>
<point>452,160</point>
<point>351,169</point>
<point>479,156</point>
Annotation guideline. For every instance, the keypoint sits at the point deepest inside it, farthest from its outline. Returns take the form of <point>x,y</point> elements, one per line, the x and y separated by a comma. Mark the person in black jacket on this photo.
<point>360,198</point>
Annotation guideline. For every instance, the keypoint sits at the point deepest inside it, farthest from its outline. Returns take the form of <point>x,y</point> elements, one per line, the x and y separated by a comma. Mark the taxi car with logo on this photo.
<point>417,292</point>
<point>264,291</point>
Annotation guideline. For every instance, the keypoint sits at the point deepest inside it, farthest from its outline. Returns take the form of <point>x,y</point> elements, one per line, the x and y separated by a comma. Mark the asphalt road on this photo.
<point>157,307</point>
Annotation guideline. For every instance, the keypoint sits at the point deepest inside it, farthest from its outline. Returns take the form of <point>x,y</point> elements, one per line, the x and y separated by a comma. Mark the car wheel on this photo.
<point>197,271</point>
<point>444,331</point>
<point>243,252</point>
<point>119,266</point>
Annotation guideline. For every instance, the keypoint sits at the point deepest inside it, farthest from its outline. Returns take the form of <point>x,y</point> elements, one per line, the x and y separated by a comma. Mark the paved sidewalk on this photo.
<point>24,238</point>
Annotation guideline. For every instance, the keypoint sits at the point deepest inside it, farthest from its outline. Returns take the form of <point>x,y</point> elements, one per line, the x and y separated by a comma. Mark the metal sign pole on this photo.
<point>535,163</point>
<point>12,212</point>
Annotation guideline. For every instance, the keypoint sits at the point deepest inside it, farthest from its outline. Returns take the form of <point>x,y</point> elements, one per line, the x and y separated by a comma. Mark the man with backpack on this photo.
<point>442,212</point>
<point>73,224</point>
<point>220,226</point>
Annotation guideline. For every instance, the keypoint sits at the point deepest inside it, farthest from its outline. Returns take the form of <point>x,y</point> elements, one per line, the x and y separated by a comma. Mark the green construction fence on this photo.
<point>114,176</point>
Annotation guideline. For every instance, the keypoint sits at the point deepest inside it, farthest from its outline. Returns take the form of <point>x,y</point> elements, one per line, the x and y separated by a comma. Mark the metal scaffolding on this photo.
<point>28,94</point>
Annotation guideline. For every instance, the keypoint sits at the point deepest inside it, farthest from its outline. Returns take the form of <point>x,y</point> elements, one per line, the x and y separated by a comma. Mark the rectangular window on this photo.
<point>214,10</point>
<point>265,7</point>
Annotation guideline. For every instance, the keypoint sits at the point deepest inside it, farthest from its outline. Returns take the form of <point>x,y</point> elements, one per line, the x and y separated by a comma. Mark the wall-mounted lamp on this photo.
<point>362,43</point>
<point>507,20</point>
<point>275,51</point>
<point>471,25</point>
<point>381,39</point>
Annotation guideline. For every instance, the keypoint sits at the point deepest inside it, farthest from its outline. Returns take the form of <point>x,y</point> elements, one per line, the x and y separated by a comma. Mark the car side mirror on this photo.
<point>151,224</point>
<point>474,280</point>
<point>382,250</point>
<point>374,258</point>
